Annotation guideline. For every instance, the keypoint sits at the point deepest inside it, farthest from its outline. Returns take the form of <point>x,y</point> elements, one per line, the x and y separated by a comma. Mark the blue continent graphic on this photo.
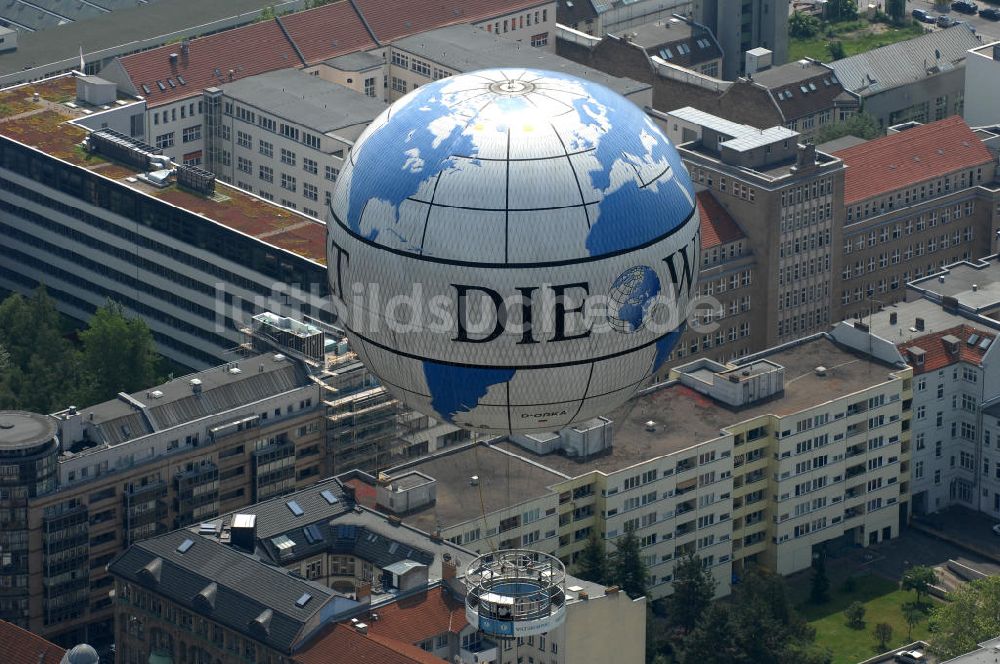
<point>408,161</point>
<point>665,345</point>
<point>641,285</point>
<point>458,389</point>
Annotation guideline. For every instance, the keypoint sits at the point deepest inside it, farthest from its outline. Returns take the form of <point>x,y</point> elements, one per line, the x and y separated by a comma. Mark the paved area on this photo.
<point>990,30</point>
<point>965,527</point>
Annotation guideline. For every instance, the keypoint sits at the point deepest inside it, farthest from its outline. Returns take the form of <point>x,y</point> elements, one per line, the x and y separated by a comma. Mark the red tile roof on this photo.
<point>901,160</point>
<point>245,51</point>
<point>937,356</point>
<point>392,19</point>
<point>342,643</point>
<point>328,31</point>
<point>317,34</point>
<point>717,226</point>
<point>419,617</point>
<point>22,647</point>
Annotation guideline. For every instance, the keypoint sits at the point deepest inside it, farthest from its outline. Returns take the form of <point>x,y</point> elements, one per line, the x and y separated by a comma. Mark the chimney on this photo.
<point>583,595</point>
<point>611,590</point>
<point>449,567</point>
<point>363,593</point>
<point>195,385</point>
<point>919,324</point>
<point>362,628</point>
<point>185,45</point>
<point>996,52</point>
<point>173,58</point>
<point>892,318</point>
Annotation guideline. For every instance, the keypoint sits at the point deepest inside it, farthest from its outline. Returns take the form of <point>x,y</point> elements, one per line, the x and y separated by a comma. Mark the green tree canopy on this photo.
<point>803,26</point>
<point>628,571</point>
<point>118,355</point>
<point>861,125</point>
<point>896,9</point>
<point>919,579</point>
<point>842,10</point>
<point>694,589</point>
<point>592,564</point>
<point>855,614</point>
<point>972,616</point>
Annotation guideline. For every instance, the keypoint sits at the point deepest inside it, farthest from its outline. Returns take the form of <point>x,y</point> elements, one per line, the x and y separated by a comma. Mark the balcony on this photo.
<point>479,653</point>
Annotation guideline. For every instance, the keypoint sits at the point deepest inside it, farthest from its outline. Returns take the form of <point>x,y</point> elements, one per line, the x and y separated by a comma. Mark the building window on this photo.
<point>288,182</point>
<point>165,140</point>
<point>539,40</point>
<point>310,191</point>
<point>267,174</point>
<point>243,139</point>
<point>331,173</point>
<point>191,133</point>
<point>420,67</point>
<point>266,149</point>
<point>310,166</point>
<point>244,165</point>
<point>370,87</point>
<point>287,157</point>
<point>398,84</point>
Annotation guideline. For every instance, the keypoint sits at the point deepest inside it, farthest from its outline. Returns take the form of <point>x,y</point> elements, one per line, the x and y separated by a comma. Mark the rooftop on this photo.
<point>904,62</point>
<point>742,136</point>
<point>466,48</point>
<point>986,653</point>
<point>973,343</point>
<point>904,329</point>
<point>176,402</point>
<point>292,95</point>
<point>24,647</point>
<point>343,643</point>
<point>803,87</point>
<point>678,42</point>
<point>358,61</point>
<point>245,589</point>
<point>906,158</point>
<point>20,429</point>
<point>975,285</point>
<point>136,23</point>
<point>504,479</point>
<point>717,226</point>
<point>686,417</point>
<point>392,19</point>
<point>417,617</point>
<point>44,125</point>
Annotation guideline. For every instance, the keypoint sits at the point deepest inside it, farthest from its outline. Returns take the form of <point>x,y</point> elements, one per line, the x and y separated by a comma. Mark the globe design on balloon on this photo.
<point>513,250</point>
<point>631,298</point>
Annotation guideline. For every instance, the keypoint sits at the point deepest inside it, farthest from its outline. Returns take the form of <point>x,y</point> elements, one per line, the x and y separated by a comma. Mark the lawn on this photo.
<point>856,36</point>
<point>883,602</point>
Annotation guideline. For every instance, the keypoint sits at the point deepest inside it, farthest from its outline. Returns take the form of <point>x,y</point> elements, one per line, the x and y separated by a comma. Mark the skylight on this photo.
<point>302,601</point>
<point>313,534</point>
<point>295,508</point>
<point>185,545</point>
<point>328,496</point>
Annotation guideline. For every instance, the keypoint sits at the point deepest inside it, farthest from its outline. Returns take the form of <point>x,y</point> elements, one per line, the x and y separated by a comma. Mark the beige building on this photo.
<point>147,463</point>
<point>760,462</point>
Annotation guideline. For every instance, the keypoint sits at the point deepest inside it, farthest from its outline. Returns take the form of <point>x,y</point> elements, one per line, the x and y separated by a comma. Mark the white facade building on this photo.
<point>982,85</point>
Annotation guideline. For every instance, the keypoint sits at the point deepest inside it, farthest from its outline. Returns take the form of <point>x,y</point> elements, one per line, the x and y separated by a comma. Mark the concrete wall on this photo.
<point>611,628</point>
<point>982,87</point>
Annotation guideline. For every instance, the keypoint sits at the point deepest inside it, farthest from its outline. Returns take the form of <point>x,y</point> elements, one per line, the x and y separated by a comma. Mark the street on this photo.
<point>989,30</point>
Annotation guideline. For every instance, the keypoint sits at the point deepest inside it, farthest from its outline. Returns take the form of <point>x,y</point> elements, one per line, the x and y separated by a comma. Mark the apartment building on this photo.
<point>143,464</point>
<point>763,461</point>
<point>419,59</point>
<point>284,135</point>
<point>914,201</point>
<point>313,576</point>
<point>784,197</point>
<point>739,28</point>
<point>946,332</point>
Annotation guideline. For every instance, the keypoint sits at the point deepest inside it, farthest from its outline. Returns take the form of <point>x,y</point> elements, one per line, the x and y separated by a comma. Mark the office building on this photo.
<point>914,201</point>
<point>920,79</point>
<point>108,475</point>
<point>982,94</point>
<point>763,461</point>
<point>284,135</point>
<point>784,198</point>
<point>745,26</point>
<point>314,576</point>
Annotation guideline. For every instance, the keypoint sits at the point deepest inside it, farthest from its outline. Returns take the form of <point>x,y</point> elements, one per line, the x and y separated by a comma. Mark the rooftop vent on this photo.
<point>650,426</point>
<point>919,324</point>
<point>173,58</point>
<point>361,627</point>
<point>474,480</point>
<point>892,318</point>
<point>156,394</point>
<point>820,370</point>
<point>975,287</point>
<point>195,385</point>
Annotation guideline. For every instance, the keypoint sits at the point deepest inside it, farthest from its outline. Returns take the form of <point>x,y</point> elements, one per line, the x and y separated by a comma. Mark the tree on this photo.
<point>628,571</point>
<point>118,354</point>
<point>896,9</point>
<point>842,10</point>
<point>819,591</point>
<point>836,49</point>
<point>766,626</point>
<point>883,634</point>
<point>861,125</point>
<point>593,562</point>
<point>919,579</point>
<point>712,640</point>
<point>803,26</point>
<point>694,589</point>
<point>912,614</point>
<point>855,614</point>
<point>971,617</point>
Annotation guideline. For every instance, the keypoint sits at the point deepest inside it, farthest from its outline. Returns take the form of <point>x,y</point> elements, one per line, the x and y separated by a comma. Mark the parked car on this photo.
<point>945,21</point>
<point>990,14</point>
<point>924,16</point>
<point>965,6</point>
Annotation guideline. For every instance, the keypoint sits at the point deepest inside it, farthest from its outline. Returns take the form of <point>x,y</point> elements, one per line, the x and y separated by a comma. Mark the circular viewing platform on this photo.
<point>515,593</point>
